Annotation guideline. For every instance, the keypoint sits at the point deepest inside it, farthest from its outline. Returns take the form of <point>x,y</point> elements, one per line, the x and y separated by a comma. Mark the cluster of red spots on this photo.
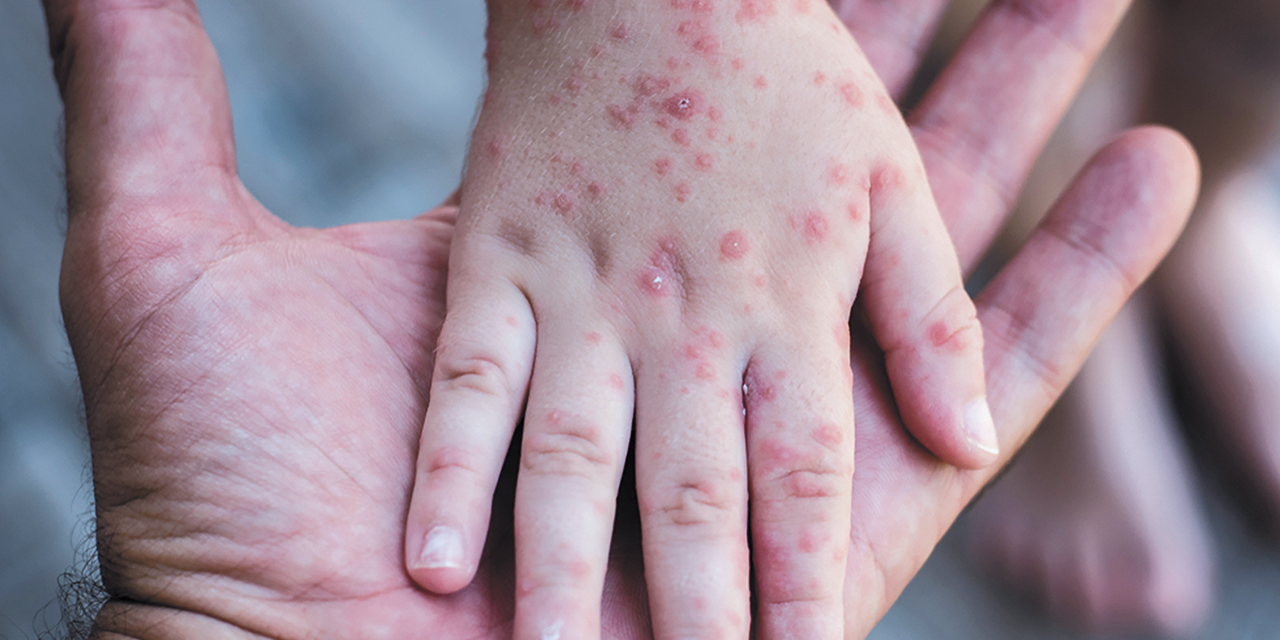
<point>812,226</point>
<point>704,161</point>
<point>659,277</point>
<point>734,246</point>
<point>756,10</point>
<point>683,192</point>
<point>851,94</point>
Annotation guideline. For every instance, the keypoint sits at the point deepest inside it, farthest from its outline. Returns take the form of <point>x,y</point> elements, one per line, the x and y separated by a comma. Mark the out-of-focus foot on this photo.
<point>1097,520</point>
<point>1222,294</point>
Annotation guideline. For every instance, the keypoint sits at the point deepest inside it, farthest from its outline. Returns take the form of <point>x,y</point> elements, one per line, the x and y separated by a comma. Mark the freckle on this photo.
<point>684,105</point>
<point>662,166</point>
<point>595,337</point>
<point>707,45</point>
<point>704,161</point>
<point>595,190</point>
<point>761,83</point>
<point>706,371</point>
<point>617,382</point>
<point>734,246</point>
<point>620,32</point>
<point>683,191</point>
<point>819,78</point>
<point>680,137</point>
<point>849,91</point>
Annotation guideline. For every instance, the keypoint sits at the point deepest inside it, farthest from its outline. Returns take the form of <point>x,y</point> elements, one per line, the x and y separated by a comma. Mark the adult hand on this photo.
<point>254,391</point>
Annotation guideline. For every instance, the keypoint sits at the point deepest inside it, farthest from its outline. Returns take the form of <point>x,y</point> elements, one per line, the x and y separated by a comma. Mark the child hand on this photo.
<point>666,214</point>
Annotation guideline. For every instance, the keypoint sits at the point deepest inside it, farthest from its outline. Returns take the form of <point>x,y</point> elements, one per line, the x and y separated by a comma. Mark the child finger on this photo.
<point>925,322</point>
<point>576,431</point>
<point>483,360</point>
<point>800,448</point>
<point>692,487</point>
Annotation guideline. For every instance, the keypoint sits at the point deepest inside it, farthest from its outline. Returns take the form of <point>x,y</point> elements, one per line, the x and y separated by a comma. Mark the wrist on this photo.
<point>123,620</point>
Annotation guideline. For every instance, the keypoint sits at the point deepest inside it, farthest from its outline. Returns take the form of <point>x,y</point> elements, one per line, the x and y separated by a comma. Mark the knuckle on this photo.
<point>563,445</point>
<point>952,325</point>
<point>695,502</point>
<point>451,461</point>
<point>816,469</point>
<point>478,372</point>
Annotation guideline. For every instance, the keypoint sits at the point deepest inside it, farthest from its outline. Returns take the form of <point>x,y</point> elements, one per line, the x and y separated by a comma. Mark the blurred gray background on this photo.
<point>345,111</point>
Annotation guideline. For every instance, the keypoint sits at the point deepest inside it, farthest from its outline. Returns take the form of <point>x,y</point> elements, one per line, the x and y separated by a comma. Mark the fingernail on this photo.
<point>441,549</point>
<point>979,426</point>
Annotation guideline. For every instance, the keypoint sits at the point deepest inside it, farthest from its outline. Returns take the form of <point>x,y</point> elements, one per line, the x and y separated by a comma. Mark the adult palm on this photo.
<point>254,391</point>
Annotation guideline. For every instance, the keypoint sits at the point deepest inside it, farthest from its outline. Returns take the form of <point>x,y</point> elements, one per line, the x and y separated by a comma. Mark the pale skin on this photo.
<point>638,213</point>
<point>254,391</point>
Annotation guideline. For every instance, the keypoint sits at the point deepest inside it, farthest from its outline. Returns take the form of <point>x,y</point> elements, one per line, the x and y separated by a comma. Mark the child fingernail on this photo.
<point>980,428</point>
<point>441,549</point>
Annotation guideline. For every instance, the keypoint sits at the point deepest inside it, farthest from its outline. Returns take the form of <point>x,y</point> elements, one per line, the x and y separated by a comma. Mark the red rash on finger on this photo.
<point>648,86</point>
<point>683,192</point>
<point>756,389</point>
<point>759,281</point>
<point>616,382</point>
<point>851,94</point>
<point>511,320</point>
<point>714,113</point>
<point>838,174</point>
<point>819,78</point>
<point>623,116</point>
<point>707,45</point>
<point>697,6</point>
<point>684,105</point>
<point>842,335</point>
<point>620,32</point>
<point>680,137</point>
<point>828,434</point>
<point>565,202</point>
<point>704,161</point>
<point>576,168</point>
<point>887,177</point>
<point>761,83</point>
<point>594,337</point>
<point>497,147</point>
<point>734,246</point>
<point>662,166</point>
<point>595,190</point>
<point>857,212</point>
<point>756,10</point>
<point>803,6</point>
<point>737,64</point>
<point>573,84</point>
<point>706,371</point>
<point>712,132</point>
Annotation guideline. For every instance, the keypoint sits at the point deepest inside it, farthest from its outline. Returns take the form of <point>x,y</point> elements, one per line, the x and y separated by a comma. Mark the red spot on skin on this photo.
<point>683,191</point>
<point>620,32</point>
<point>691,27</point>
<point>706,371</point>
<point>680,137</point>
<point>662,166</point>
<point>759,280</point>
<point>887,177</point>
<point>886,103</point>
<point>812,226</point>
<point>697,6</point>
<point>809,541</point>
<point>803,6</point>
<point>761,83</point>
<point>565,202</point>
<point>578,5</point>
<point>543,199</point>
<point>622,116</point>
<point>692,352</point>
<point>684,105</point>
<point>712,132</point>
<point>595,190</point>
<point>828,434</point>
<point>557,158</point>
<point>850,93</point>
<point>756,389</point>
<point>617,382</point>
<point>658,277</point>
<point>511,320</point>
<point>714,113</point>
<point>755,10</point>
<point>819,78</point>
<point>647,86</point>
<point>838,174</point>
<point>555,99</point>
<point>576,168</point>
<point>597,51</point>
<point>707,45</point>
<point>662,123</point>
<point>673,64</point>
<point>737,64</point>
<point>734,246</point>
<point>595,337</point>
<point>704,161</point>
<point>497,147</point>
<point>573,84</point>
<point>856,212</point>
